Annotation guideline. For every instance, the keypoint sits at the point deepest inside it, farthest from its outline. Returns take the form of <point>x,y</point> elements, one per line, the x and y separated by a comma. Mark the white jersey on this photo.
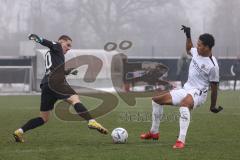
<point>202,71</point>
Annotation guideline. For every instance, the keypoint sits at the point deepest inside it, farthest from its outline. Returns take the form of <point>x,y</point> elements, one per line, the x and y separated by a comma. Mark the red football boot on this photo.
<point>178,145</point>
<point>150,135</point>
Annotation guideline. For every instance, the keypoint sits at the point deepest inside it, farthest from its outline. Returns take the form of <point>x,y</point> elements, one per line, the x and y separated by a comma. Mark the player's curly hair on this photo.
<point>64,37</point>
<point>207,40</point>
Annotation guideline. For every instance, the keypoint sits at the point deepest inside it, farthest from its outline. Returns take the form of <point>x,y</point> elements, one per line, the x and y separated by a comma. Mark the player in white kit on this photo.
<point>203,72</point>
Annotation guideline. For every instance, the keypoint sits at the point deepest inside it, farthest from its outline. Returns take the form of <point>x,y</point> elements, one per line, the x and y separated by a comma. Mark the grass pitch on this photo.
<point>210,136</point>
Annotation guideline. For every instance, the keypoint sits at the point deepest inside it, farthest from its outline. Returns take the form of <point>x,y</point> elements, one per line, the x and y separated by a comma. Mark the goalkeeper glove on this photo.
<point>187,31</point>
<point>35,37</point>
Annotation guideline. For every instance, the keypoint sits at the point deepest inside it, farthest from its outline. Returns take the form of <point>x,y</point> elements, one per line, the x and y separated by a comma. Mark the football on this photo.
<point>119,135</point>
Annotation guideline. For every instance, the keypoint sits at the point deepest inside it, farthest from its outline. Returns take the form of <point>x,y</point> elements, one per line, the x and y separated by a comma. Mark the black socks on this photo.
<point>36,122</point>
<point>82,111</point>
<point>33,123</point>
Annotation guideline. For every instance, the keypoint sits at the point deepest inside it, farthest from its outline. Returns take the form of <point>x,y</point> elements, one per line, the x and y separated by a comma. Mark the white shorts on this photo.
<point>198,96</point>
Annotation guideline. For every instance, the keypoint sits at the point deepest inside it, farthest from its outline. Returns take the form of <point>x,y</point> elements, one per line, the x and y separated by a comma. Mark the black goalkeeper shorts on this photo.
<point>49,98</point>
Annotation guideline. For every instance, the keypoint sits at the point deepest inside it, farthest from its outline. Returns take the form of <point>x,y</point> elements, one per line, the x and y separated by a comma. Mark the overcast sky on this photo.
<point>195,11</point>
<point>17,20</point>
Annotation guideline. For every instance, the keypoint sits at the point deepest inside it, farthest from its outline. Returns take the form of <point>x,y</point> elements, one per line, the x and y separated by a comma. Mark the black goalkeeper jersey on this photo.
<point>54,60</point>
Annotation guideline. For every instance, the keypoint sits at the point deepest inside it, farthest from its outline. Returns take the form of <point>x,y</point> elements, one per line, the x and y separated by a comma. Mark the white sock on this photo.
<point>91,120</point>
<point>20,130</point>
<point>184,121</point>
<point>157,111</point>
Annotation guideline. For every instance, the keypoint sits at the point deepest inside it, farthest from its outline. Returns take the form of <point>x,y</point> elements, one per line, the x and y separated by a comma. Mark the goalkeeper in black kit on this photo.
<point>54,61</point>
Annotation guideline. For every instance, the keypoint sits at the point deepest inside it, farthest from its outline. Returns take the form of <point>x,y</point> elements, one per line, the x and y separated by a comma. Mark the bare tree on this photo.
<point>151,24</point>
<point>110,18</point>
<point>225,27</point>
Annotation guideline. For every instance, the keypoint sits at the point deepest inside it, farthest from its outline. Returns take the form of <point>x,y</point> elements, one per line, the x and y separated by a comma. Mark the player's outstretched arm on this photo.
<point>214,90</point>
<point>189,44</point>
<point>40,40</point>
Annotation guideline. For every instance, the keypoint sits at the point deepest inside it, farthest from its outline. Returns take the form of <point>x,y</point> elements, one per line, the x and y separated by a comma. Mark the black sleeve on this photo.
<point>47,43</point>
<point>54,46</point>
